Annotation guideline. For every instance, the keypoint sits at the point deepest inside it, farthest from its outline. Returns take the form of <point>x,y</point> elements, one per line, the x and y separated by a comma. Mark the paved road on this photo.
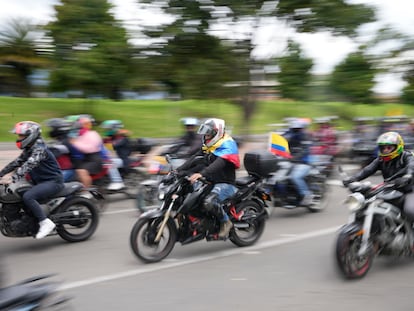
<point>291,268</point>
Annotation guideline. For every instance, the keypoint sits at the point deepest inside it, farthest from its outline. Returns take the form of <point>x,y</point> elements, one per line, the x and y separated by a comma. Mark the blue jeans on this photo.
<point>297,176</point>
<point>68,175</point>
<point>223,192</point>
<point>40,192</point>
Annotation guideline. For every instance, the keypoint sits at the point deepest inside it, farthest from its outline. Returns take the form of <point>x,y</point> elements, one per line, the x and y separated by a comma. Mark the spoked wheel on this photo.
<point>132,181</point>
<point>320,190</point>
<point>251,227</point>
<point>77,220</point>
<point>142,239</point>
<point>352,265</point>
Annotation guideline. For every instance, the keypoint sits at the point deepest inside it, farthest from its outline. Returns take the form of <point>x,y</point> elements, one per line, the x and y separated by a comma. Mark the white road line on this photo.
<point>196,259</point>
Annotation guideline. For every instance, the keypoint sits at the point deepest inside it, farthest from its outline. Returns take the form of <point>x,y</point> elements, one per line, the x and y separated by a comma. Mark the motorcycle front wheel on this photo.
<point>251,226</point>
<point>350,264</point>
<point>77,219</point>
<point>132,181</point>
<point>142,239</point>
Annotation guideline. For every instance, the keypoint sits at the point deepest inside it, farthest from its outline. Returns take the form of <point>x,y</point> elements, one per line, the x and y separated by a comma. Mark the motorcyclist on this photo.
<point>39,163</point>
<point>392,160</point>
<point>220,161</point>
<point>190,142</point>
<point>116,139</point>
<point>325,137</point>
<point>299,142</point>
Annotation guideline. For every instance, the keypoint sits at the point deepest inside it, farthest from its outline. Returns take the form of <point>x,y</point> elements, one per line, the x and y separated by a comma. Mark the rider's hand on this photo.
<point>402,181</point>
<point>5,180</point>
<point>347,181</point>
<point>193,178</point>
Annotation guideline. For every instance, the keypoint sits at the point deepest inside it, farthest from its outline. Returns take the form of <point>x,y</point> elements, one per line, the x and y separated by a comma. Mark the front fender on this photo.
<point>151,214</point>
<point>351,228</point>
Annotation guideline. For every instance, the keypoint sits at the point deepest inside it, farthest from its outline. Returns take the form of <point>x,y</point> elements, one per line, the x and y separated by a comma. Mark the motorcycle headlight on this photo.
<point>355,202</point>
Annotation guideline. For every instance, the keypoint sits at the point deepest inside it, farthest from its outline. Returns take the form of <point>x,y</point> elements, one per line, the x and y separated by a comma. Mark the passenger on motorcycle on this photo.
<point>220,161</point>
<point>39,163</point>
<point>299,143</point>
<point>89,154</point>
<point>60,147</point>
<point>392,159</point>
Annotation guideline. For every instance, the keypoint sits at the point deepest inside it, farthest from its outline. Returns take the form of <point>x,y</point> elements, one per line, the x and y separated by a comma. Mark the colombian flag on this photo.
<point>227,149</point>
<point>279,146</point>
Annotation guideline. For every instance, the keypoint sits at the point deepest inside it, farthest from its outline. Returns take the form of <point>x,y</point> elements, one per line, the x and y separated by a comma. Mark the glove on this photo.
<point>347,181</point>
<point>402,181</point>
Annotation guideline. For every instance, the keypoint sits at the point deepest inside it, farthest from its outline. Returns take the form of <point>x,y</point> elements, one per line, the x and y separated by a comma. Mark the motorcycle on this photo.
<point>159,167</point>
<point>182,218</point>
<point>376,227</point>
<point>284,191</point>
<point>73,210</point>
<point>31,294</point>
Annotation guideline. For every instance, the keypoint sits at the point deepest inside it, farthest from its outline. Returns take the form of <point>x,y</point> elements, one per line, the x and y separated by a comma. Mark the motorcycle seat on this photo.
<point>70,187</point>
<point>245,180</point>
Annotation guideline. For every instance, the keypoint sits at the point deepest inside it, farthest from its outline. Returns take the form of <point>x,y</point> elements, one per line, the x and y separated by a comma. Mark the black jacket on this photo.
<point>37,161</point>
<point>401,165</point>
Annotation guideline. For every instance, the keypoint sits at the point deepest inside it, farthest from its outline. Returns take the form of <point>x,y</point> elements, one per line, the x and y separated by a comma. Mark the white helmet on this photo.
<point>213,127</point>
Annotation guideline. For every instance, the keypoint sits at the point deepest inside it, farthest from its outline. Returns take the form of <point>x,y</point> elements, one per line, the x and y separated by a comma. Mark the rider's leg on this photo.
<point>84,177</point>
<point>116,179</point>
<point>297,176</point>
<point>213,201</point>
<point>40,192</point>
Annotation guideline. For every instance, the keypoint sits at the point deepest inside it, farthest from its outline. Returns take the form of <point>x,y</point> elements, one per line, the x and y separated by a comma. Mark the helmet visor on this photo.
<point>205,130</point>
<point>387,149</point>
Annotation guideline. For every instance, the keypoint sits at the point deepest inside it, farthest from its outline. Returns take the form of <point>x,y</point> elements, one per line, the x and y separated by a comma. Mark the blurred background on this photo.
<point>213,53</point>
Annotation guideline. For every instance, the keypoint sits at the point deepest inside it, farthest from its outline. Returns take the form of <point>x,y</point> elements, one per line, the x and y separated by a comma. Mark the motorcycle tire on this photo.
<point>250,235</point>
<point>142,238</point>
<point>132,182</point>
<point>320,200</point>
<point>78,219</point>
<point>349,263</point>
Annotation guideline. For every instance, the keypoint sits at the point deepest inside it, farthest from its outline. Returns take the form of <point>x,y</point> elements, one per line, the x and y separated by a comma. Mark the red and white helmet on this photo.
<point>31,132</point>
<point>215,128</point>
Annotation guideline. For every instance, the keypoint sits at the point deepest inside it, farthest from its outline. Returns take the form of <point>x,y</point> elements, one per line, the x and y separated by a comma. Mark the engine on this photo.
<point>16,223</point>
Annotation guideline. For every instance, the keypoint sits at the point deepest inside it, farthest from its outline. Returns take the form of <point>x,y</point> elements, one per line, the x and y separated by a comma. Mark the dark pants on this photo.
<point>40,192</point>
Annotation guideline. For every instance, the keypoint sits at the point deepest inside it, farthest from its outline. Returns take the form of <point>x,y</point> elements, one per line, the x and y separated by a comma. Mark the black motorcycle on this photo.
<point>284,191</point>
<point>73,210</point>
<point>32,294</point>
<point>182,218</point>
<point>376,226</point>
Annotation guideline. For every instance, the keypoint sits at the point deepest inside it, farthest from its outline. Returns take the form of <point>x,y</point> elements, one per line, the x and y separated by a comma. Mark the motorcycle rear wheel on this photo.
<point>351,265</point>
<point>248,236</point>
<point>77,220</point>
<point>142,238</point>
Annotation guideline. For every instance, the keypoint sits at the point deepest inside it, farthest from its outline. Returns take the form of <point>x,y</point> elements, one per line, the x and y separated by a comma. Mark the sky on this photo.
<point>325,50</point>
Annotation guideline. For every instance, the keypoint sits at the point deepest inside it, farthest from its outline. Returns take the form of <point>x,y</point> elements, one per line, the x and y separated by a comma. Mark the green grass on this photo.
<point>160,118</point>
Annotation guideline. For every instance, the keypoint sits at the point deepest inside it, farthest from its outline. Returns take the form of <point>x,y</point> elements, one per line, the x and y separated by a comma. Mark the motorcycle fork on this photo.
<point>164,221</point>
<point>366,228</point>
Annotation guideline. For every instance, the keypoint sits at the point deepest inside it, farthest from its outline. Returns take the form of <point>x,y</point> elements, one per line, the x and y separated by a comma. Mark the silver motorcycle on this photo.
<point>376,227</point>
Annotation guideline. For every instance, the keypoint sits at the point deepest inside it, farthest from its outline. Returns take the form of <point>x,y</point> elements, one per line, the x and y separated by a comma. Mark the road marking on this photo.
<point>197,259</point>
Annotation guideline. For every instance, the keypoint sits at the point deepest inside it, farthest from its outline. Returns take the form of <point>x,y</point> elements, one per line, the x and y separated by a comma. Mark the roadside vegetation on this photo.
<point>159,119</point>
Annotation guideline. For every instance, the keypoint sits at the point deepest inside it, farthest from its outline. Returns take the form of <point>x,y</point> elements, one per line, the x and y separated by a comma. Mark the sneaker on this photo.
<point>225,228</point>
<point>45,227</point>
<point>307,200</point>
<point>115,186</point>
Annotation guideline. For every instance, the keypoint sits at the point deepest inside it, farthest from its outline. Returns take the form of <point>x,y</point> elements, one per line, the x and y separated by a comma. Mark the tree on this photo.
<point>337,16</point>
<point>294,75</point>
<point>18,56</point>
<point>91,49</point>
<point>353,78</point>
